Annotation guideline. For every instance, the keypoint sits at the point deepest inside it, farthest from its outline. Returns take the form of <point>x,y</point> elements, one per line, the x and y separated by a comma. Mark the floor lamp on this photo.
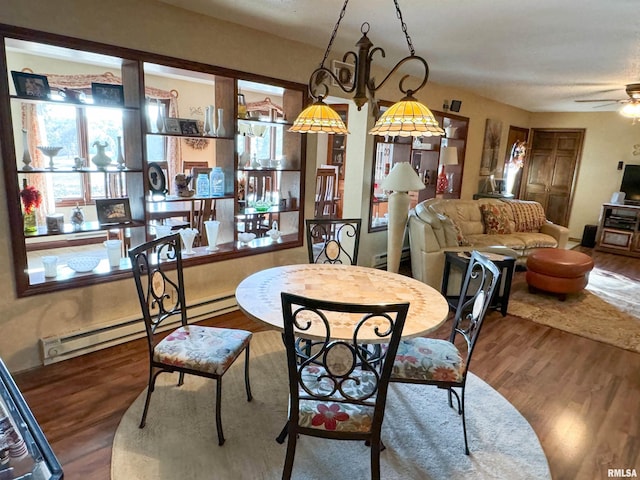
<point>402,179</point>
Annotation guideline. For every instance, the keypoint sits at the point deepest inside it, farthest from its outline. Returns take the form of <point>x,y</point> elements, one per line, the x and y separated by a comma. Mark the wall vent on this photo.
<point>74,344</point>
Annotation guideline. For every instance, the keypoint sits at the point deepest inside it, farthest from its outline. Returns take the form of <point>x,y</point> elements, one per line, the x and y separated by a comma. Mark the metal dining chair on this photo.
<point>192,349</point>
<point>337,389</point>
<point>441,363</point>
<point>333,240</point>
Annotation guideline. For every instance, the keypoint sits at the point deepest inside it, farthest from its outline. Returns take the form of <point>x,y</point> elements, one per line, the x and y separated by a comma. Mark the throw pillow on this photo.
<point>528,216</point>
<point>495,218</point>
<point>460,238</point>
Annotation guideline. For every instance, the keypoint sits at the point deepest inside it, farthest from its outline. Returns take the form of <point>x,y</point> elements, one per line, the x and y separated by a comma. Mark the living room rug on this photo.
<point>607,310</point>
<point>423,436</point>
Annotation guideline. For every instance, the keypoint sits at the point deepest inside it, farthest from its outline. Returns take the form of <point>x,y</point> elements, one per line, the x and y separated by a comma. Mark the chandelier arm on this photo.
<point>374,88</point>
<point>319,79</point>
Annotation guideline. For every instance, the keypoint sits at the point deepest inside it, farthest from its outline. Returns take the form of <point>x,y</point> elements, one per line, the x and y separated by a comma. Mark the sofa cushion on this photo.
<point>528,216</point>
<point>496,219</point>
<point>535,240</point>
<point>433,219</point>
<point>453,232</point>
<point>464,213</point>
<point>495,240</point>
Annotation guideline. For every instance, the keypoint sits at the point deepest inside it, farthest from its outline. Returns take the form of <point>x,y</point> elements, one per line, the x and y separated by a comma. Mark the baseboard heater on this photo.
<point>380,260</point>
<point>74,344</point>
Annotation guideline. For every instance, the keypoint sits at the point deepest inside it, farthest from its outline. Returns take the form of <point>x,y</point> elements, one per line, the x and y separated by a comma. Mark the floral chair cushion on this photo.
<point>205,349</point>
<point>428,359</point>
<point>332,415</point>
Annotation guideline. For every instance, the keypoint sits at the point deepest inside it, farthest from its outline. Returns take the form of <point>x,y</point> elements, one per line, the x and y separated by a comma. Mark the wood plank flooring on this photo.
<point>581,397</point>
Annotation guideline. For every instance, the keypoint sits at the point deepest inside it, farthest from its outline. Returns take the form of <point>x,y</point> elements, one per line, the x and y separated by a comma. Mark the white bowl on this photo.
<point>83,264</point>
<point>246,237</point>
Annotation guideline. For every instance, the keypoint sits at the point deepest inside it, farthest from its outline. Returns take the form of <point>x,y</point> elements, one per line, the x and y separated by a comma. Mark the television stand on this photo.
<point>619,229</point>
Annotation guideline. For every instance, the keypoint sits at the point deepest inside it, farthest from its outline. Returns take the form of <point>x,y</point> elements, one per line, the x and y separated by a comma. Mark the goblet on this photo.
<point>49,152</point>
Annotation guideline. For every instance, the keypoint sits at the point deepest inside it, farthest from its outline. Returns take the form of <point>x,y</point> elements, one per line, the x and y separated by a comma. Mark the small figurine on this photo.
<point>77,217</point>
<point>182,185</point>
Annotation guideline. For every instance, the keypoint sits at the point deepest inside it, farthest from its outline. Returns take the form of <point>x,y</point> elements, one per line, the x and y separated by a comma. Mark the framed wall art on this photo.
<point>107,94</point>
<point>113,211</point>
<point>31,85</point>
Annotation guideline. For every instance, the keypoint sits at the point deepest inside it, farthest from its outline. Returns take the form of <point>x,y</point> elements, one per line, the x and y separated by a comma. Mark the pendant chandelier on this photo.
<point>408,117</point>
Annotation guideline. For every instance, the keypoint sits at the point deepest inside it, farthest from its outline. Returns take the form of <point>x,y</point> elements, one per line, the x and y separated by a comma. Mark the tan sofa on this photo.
<point>439,225</point>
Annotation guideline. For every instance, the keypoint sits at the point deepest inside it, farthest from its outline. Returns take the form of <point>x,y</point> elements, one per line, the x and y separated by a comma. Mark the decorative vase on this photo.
<point>101,159</point>
<point>188,235</point>
<point>443,184</point>
<point>208,120</point>
<point>451,131</point>
<point>212,227</point>
<point>29,221</point>
<point>450,182</point>
<point>120,158</point>
<point>26,155</point>
<point>163,231</point>
<point>220,131</point>
<point>160,116</point>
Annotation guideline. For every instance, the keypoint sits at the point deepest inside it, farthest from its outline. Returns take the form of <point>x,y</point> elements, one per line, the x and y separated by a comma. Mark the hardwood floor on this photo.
<point>581,397</point>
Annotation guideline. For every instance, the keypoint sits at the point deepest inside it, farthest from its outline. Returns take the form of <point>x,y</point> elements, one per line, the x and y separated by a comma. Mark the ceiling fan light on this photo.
<point>319,118</point>
<point>406,118</point>
<point>631,110</point>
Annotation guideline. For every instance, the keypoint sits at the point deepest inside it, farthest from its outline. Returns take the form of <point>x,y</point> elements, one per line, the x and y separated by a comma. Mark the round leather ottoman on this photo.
<point>558,271</point>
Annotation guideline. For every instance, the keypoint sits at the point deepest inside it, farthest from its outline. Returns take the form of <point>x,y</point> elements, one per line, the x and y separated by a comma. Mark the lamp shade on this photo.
<point>319,118</point>
<point>408,117</point>
<point>402,178</point>
<point>449,156</point>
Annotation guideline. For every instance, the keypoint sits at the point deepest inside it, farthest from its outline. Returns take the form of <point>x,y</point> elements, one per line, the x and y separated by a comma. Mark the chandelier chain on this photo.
<point>404,28</point>
<point>335,32</point>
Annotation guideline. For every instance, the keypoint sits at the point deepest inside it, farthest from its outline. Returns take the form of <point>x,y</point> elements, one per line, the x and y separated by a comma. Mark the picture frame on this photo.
<point>172,125</point>
<point>113,211</point>
<point>107,94</point>
<point>189,127</point>
<point>455,105</point>
<point>345,73</point>
<point>157,179</point>
<point>31,85</point>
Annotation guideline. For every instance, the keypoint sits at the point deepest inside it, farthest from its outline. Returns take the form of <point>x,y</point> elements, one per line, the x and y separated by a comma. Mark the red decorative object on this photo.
<point>443,184</point>
<point>31,198</point>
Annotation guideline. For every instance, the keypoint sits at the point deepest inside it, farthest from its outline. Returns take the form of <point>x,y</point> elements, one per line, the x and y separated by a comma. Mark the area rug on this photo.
<point>423,436</point>
<point>608,310</point>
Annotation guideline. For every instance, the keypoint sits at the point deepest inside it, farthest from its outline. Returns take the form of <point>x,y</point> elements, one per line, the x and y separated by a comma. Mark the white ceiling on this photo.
<point>540,55</point>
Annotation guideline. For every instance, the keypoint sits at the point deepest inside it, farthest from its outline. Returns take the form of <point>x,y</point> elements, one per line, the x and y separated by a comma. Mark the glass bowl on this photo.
<point>246,237</point>
<point>83,264</point>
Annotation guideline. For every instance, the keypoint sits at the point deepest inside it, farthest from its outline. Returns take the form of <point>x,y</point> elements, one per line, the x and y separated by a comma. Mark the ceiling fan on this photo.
<point>633,91</point>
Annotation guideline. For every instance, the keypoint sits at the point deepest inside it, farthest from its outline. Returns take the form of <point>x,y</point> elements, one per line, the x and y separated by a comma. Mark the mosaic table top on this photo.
<point>258,296</point>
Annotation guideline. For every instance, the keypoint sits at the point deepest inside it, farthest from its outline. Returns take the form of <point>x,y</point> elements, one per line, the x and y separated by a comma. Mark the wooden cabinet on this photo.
<point>549,172</point>
<point>152,108</point>
<point>424,153</point>
<point>619,229</point>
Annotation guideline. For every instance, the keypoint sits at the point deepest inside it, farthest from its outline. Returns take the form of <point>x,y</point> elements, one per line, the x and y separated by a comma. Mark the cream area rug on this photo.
<point>423,436</point>
<point>608,310</point>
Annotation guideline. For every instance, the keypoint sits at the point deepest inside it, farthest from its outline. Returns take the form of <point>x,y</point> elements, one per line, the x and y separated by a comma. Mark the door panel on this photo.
<point>550,171</point>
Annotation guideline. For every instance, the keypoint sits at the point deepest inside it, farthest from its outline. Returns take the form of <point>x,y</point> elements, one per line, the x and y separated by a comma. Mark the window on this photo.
<point>75,129</point>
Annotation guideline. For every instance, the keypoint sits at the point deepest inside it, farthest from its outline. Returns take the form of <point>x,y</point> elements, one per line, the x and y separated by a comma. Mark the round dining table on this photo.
<point>258,296</point>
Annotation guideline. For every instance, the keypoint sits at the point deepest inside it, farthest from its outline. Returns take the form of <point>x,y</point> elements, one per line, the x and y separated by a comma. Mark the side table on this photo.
<point>460,260</point>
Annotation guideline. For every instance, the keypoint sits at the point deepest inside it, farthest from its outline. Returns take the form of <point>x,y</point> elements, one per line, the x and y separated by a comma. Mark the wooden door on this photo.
<point>550,171</point>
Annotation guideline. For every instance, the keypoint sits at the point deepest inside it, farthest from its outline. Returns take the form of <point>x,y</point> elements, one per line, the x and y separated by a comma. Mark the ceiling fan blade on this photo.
<point>607,104</point>
<point>614,100</point>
